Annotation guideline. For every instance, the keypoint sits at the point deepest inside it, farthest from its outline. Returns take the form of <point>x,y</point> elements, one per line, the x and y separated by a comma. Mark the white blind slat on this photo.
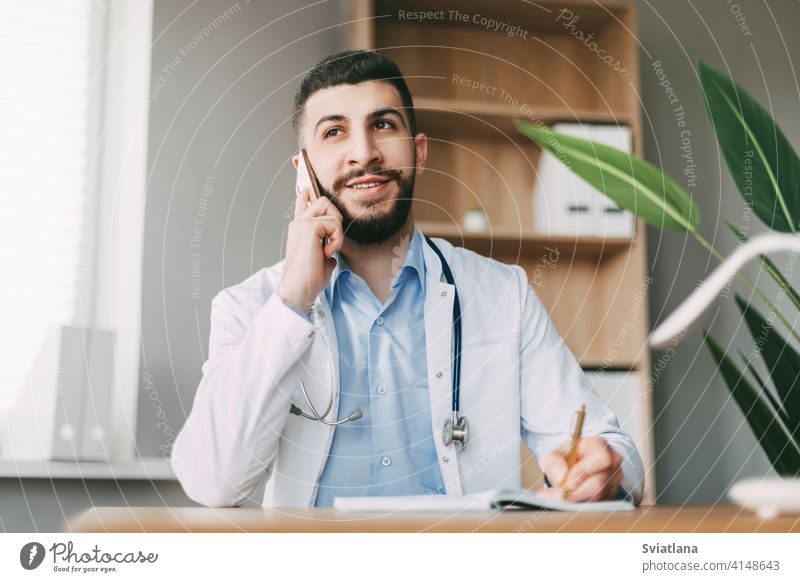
<point>45,96</point>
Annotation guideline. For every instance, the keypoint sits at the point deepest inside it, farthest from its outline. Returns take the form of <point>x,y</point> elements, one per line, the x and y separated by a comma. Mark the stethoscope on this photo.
<point>456,428</point>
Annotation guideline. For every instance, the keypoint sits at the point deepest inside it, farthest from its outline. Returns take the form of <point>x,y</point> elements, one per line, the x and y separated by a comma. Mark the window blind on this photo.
<point>46,82</point>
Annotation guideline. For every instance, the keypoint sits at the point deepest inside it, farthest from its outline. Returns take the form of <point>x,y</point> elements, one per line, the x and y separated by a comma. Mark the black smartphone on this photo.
<point>306,178</point>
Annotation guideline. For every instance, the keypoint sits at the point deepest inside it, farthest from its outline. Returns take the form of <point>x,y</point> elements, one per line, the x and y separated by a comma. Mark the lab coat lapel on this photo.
<point>439,297</point>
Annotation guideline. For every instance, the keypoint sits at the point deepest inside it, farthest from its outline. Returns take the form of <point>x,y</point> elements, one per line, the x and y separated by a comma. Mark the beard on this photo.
<point>370,228</point>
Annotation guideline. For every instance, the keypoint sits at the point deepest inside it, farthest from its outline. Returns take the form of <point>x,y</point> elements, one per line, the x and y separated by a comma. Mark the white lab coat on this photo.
<point>517,377</point>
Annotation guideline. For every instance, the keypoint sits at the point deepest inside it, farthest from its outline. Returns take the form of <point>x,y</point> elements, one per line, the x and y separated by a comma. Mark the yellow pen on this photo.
<point>573,449</point>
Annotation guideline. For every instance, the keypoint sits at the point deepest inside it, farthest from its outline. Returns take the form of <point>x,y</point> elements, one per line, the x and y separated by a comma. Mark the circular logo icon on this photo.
<point>31,555</point>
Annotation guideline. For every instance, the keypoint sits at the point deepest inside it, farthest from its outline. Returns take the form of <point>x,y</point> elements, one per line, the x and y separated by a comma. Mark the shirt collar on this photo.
<point>414,261</point>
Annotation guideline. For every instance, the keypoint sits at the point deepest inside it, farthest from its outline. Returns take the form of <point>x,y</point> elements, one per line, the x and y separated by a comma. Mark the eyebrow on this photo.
<point>338,117</point>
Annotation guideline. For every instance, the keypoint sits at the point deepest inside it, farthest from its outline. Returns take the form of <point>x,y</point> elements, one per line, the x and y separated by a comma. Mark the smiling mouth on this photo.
<point>371,189</point>
<point>371,185</point>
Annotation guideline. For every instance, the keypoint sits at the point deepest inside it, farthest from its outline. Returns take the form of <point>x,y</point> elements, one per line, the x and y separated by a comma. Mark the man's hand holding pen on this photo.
<point>585,469</point>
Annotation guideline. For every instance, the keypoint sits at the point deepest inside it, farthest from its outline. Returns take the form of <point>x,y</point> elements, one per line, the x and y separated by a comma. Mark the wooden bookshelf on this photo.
<point>469,84</point>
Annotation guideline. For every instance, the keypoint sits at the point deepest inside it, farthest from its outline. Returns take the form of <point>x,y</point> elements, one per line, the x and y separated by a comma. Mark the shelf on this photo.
<point>504,240</point>
<point>447,116</point>
<point>145,469</point>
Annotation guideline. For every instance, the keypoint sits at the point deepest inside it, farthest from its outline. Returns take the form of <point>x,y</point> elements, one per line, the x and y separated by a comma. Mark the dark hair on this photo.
<point>351,68</point>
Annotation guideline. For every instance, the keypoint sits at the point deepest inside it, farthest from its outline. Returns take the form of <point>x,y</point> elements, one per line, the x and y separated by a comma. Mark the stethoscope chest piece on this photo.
<point>456,430</point>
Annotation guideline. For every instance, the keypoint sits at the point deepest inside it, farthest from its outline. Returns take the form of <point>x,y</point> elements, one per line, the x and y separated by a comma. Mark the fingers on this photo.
<point>554,465</point>
<point>330,228</point>
<point>595,455</point>
<point>596,474</point>
<point>596,487</point>
<point>322,207</point>
<point>328,222</point>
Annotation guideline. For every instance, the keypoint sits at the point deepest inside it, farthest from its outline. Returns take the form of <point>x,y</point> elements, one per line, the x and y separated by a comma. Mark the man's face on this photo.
<point>360,146</point>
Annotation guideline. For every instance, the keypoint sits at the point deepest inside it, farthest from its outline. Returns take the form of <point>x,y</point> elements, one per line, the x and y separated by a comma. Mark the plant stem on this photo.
<point>746,280</point>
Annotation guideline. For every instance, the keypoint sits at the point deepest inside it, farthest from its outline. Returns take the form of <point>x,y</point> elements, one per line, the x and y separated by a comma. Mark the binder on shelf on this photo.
<point>96,425</point>
<point>565,204</point>
<point>63,412</point>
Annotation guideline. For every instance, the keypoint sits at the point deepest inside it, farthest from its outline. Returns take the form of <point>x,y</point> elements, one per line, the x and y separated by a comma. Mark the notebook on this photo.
<point>487,501</point>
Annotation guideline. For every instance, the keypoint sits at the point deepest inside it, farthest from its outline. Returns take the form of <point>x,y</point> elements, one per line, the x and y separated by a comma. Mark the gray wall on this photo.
<point>221,180</point>
<point>702,442</point>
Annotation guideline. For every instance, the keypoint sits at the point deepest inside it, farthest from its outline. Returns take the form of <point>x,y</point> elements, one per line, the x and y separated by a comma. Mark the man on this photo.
<point>355,328</point>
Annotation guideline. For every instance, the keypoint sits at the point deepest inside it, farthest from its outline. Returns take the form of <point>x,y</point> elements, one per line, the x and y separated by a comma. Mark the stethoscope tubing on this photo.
<point>457,423</point>
<point>448,275</point>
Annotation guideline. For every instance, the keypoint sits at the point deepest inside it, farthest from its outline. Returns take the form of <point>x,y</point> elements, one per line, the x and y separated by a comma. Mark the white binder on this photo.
<point>64,409</point>
<point>565,204</point>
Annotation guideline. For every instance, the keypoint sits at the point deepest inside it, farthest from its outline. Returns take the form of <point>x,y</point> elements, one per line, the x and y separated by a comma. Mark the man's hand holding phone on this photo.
<point>309,264</point>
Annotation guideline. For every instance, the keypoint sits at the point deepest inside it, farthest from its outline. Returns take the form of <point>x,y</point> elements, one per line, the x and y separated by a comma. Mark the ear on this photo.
<point>421,145</point>
<point>296,160</point>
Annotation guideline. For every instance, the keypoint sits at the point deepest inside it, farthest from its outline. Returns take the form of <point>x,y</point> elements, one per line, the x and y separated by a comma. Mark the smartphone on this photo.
<point>306,178</point>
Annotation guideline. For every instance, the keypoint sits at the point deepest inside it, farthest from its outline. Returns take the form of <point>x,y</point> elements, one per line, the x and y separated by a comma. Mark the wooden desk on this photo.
<point>646,519</point>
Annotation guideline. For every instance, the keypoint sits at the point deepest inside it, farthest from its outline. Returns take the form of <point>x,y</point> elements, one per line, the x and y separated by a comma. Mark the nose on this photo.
<point>363,151</point>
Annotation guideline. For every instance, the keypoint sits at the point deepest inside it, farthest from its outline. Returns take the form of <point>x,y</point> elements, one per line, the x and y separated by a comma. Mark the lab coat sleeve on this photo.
<point>226,449</point>
<point>553,387</point>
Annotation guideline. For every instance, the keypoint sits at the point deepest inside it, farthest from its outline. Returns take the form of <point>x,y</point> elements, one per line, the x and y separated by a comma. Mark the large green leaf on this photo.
<point>783,362</point>
<point>633,183</point>
<point>779,447</point>
<point>761,161</point>
<point>776,406</point>
<point>771,267</point>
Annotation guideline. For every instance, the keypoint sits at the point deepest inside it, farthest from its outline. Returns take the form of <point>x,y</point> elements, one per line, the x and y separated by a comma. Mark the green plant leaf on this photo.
<point>633,183</point>
<point>777,444</point>
<point>783,362</point>
<point>761,160</point>
<point>771,267</point>
<point>776,406</point>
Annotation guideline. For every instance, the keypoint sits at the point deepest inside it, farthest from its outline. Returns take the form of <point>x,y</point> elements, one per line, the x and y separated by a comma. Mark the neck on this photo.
<point>374,262</point>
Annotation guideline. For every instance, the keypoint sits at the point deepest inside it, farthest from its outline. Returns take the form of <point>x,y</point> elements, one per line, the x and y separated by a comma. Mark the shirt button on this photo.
<point>446,459</point>
<point>381,390</point>
<point>386,461</point>
<point>311,333</point>
<point>379,321</point>
<point>439,374</point>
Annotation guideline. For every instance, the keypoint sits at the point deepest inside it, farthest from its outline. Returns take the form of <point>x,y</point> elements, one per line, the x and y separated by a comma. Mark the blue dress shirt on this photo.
<point>383,371</point>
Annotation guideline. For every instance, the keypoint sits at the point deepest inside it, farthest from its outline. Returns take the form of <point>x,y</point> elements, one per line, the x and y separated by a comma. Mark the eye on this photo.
<point>384,124</point>
<point>329,133</point>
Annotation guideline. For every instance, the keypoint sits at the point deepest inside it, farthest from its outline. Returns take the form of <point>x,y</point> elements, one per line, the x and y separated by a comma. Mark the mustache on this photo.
<point>390,173</point>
